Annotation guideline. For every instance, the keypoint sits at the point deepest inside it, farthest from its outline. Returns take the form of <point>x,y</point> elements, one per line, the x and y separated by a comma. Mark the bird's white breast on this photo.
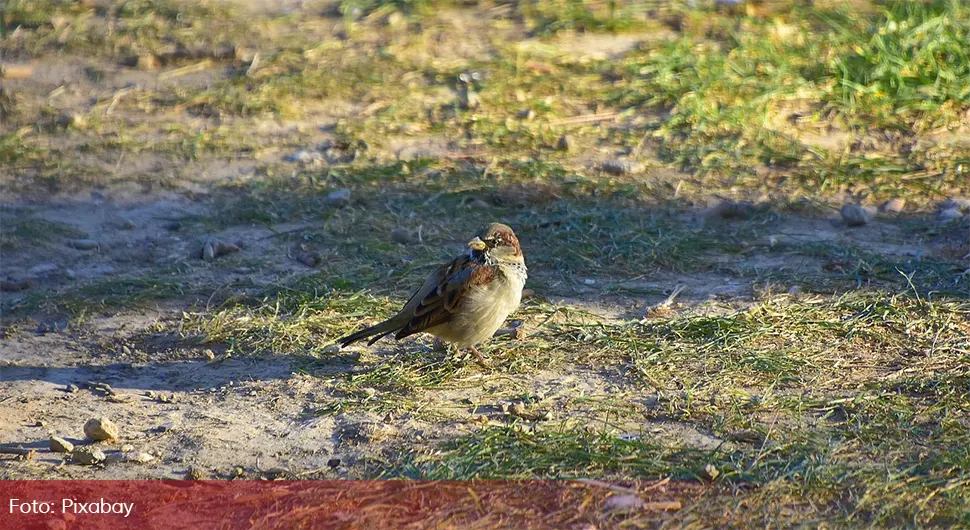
<point>485,308</point>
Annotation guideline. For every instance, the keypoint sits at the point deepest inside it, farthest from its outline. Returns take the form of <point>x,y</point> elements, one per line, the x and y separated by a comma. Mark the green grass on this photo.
<point>856,405</point>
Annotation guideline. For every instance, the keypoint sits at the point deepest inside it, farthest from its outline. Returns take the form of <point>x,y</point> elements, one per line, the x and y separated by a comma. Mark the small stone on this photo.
<point>949,215</point>
<point>128,224</point>
<point>564,143</point>
<point>333,462</point>
<point>306,157</point>
<point>339,198</point>
<point>70,274</point>
<point>42,269</point>
<point>894,205</point>
<point>101,429</point>
<point>310,259</point>
<point>854,215</point>
<point>958,203</point>
<point>208,251</point>
<point>195,473</point>
<point>172,226</point>
<point>214,248</point>
<point>333,348</point>
<point>84,244</point>
<point>137,457</point>
<point>400,235</point>
<point>526,114</point>
<point>395,19</point>
<point>526,293</point>
<point>621,167</point>
<point>60,445</point>
<point>71,389</point>
<point>87,456</point>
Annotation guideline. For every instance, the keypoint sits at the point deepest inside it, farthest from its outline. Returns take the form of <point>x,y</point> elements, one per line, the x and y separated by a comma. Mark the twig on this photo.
<point>19,71</point>
<point>588,118</point>
<point>670,298</point>
<point>185,70</point>
<point>117,97</point>
<point>607,485</point>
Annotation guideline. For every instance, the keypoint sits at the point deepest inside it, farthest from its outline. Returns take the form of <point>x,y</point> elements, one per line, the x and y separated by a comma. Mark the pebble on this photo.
<point>71,388</point>
<point>395,18</point>
<point>136,457</point>
<point>172,226</point>
<point>894,205</point>
<point>310,259</point>
<point>60,445</point>
<point>214,248</point>
<point>85,244</point>
<point>527,114</point>
<point>400,235</point>
<point>949,214</point>
<point>195,473</point>
<point>42,269</point>
<point>101,429</point>
<point>128,224</point>
<point>854,215</point>
<point>621,167</point>
<point>564,143</point>
<point>87,456</point>
<point>70,274</point>
<point>957,203</point>
<point>333,462</point>
<point>305,157</point>
<point>339,198</point>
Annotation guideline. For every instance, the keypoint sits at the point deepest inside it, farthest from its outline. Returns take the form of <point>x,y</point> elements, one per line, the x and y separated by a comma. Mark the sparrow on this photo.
<point>467,299</point>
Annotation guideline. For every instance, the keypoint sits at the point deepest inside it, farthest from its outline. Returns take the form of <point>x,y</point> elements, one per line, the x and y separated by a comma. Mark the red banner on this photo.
<point>168,504</point>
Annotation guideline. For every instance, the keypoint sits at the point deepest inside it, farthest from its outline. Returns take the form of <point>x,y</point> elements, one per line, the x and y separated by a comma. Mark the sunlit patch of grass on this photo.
<point>855,404</point>
<point>168,28</point>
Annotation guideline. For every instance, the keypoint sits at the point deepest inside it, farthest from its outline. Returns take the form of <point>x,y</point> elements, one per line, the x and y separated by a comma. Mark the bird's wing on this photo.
<point>442,295</point>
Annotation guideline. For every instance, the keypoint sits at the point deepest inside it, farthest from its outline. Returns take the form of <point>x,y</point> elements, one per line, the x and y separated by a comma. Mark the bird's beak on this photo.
<point>477,244</point>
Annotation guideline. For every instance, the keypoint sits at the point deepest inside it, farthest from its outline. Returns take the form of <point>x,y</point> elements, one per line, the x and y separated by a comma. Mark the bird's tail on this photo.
<point>378,331</point>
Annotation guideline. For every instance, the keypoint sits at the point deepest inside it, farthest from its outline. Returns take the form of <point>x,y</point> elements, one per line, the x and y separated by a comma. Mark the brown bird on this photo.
<point>466,300</point>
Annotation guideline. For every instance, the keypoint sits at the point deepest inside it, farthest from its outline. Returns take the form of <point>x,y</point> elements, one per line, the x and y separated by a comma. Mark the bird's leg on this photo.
<point>478,355</point>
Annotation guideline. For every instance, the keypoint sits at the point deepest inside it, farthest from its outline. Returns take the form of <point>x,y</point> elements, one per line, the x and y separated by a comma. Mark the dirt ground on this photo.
<point>124,330</point>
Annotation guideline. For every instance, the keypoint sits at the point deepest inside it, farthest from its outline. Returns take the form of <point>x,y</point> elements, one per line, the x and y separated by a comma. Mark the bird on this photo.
<point>465,301</point>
